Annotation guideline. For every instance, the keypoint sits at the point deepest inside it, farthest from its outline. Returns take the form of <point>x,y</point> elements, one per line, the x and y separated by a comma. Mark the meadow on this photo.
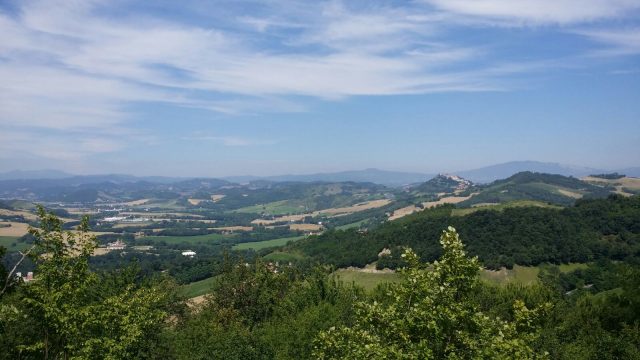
<point>197,288</point>
<point>367,280</point>
<point>525,275</point>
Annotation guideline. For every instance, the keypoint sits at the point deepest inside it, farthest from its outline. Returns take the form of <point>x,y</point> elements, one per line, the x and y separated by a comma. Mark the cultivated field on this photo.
<point>234,228</point>
<point>216,198</point>
<point>27,215</point>
<point>367,205</point>
<point>373,204</point>
<point>447,200</point>
<point>15,229</point>
<point>426,205</point>
<point>571,194</point>
<point>619,184</point>
<point>305,227</point>
<point>402,212</point>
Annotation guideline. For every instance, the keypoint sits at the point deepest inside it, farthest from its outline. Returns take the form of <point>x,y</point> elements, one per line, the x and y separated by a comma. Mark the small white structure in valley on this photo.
<point>189,253</point>
<point>116,245</point>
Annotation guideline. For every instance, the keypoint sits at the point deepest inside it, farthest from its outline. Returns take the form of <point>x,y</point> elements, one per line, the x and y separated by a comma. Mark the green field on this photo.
<point>197,288</point>
<point>572,266</point>
<point>368,281</point>
<point>519,274</point>
<point>197,239</point>
<point>500,207</point>
<point>523,274</point>
<point>282,207</point>
<point>352,225</point>
<point>257,245</point>
<point>7,241</point>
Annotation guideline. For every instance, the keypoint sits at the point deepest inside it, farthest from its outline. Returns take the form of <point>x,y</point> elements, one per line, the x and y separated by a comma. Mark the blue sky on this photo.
<point>195,88</point>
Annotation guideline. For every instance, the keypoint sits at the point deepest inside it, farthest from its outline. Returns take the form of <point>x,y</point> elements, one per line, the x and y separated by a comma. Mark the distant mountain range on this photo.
<point>377,176</point>
<point>389,178</point>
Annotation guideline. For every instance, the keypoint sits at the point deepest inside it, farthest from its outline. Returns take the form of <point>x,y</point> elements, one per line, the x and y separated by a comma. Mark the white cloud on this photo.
<point>560,12</point>
<point>617,41</point>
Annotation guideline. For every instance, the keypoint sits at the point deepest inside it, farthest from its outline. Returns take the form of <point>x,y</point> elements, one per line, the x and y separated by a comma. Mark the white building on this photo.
<point>189,253</point>
<point>116,245</point>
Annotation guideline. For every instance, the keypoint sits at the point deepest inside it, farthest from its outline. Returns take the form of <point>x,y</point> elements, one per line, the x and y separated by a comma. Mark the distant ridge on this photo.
<point>383,177</point>
<point>502,171</point>
<point>377,176</point>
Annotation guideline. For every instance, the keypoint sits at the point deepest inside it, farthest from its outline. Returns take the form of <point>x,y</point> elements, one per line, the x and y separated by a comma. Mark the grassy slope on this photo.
<point>197,288</point>
<point>257,245</point>
<point>366,280</point>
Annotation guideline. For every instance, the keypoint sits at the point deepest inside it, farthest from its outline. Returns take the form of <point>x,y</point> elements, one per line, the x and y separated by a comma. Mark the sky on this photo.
<point>218,88</point>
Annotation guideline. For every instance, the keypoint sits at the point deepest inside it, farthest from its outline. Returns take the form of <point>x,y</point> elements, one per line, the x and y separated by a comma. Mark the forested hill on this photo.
<point>552,188</point>
<point>592,229</point>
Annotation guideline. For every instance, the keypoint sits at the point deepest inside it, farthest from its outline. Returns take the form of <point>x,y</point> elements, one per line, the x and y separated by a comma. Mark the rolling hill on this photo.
<point>551,188</point>
<point>442,183</point>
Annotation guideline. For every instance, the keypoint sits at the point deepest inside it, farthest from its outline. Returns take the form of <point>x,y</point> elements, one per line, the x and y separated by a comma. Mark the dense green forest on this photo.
<point>592,229</point>
<point>259,310</point>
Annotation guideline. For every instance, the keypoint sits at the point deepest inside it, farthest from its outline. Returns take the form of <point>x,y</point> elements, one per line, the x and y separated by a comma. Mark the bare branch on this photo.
<point>10,275</point>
